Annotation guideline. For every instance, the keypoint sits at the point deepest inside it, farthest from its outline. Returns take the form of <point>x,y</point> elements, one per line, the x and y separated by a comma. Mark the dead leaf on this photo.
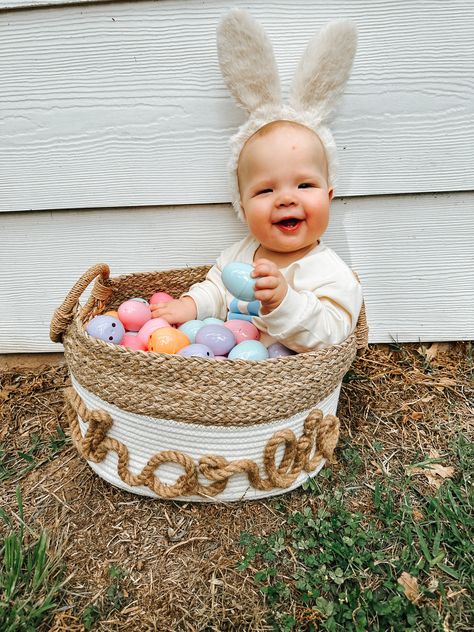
<point>5,392</point>
<point>416,416</point>
<point>417,515</point>
<point>410,586</point>
<point>435,349</point>
<point>434,472</point>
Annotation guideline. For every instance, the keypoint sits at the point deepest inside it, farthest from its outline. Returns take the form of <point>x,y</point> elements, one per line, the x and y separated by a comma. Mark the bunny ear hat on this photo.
<point>249,70</point>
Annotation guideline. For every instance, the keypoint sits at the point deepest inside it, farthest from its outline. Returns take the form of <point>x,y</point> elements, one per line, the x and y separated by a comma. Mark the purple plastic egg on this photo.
<point>216,337</point>
<point>277,350</point>
<point>196,350</point>
<point>106,328</point>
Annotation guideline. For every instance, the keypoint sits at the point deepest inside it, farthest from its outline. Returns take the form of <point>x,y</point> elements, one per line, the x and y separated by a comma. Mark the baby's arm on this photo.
<point>306,320</point>
<point>203,299</point>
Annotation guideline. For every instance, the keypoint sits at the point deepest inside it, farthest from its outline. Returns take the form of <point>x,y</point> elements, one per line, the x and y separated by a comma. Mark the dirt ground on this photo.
<point>178,562</point>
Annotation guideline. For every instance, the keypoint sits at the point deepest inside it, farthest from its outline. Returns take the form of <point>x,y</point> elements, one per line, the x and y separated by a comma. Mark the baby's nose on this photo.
<point>286,198</point>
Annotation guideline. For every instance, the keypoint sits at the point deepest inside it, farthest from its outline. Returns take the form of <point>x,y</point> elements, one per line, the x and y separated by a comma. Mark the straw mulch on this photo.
<point>179,560</point>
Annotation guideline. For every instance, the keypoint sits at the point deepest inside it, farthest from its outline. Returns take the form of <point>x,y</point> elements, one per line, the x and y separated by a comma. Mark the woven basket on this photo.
<point>191,428</point>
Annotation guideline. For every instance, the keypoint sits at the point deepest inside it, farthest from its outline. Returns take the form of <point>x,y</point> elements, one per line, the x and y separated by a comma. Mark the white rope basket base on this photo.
<point>144,437</point>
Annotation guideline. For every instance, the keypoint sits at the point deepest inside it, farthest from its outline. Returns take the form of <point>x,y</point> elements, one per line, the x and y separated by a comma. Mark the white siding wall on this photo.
<point>114,123</point>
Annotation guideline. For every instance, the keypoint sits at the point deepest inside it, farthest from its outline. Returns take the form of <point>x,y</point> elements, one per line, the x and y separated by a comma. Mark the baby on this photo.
<point>309,297</point>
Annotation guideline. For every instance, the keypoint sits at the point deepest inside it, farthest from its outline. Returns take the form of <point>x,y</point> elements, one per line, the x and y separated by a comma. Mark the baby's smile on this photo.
<point>288,224</point>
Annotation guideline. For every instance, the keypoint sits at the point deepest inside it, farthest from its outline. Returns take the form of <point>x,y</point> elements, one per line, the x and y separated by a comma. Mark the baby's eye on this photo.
<point>305,185</point>
<point>263,191</point>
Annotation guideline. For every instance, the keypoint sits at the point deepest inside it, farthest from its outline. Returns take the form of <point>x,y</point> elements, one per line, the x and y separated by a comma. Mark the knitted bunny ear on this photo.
<point>247,61</point>
<point>324,69</point>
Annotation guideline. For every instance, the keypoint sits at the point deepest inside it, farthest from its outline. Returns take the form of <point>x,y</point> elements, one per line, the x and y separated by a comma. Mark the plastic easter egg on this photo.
<point>132,341</point>
<point>249,350</point>
<point>236,277</point>
<point>140,300</point>
<point>242,330</point>
<point>212,321</point>
<point>112,312</point>
<point>134,314</point>
<point>196,350</point>
<point>167,340</point>
<point>160,297</point>
<point>220,358</point>
<point>190,328</point>
<point>149,327</point>
<point>277,350</point>
<point>216,337</point>
<point>106,328</point>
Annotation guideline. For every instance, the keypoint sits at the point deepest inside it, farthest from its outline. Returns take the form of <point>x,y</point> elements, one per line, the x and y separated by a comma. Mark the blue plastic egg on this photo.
<point>249,350</point>
<point>236,277</point>
<point>106,328</point>
<point>213,321</point>
<point>196,350</point>
<point>191,327</point>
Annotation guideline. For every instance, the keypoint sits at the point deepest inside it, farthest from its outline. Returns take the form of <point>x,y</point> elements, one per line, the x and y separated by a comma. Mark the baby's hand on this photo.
<point>271,288</point>
<point>175,311</point>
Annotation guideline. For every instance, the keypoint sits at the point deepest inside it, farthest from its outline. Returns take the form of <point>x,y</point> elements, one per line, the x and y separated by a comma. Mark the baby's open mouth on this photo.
<point>289,222</point>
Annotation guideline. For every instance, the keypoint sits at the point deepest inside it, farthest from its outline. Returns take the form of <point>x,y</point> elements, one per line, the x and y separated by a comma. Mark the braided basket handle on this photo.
<point>64,314</point>
<point>362,328</point>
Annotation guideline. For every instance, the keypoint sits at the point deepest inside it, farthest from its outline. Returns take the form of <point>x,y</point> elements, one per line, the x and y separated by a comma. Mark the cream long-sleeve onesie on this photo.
<point>321,306</point>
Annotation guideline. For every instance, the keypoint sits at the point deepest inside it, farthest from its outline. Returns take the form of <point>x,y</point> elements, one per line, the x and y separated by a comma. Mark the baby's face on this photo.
<point>283,188</point>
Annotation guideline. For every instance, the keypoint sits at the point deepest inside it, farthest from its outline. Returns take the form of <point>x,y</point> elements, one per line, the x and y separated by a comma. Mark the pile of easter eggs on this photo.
<point>133,326</point>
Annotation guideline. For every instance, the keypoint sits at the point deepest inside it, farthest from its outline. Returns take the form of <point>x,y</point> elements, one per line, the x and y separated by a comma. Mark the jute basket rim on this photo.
<point>81,322</point>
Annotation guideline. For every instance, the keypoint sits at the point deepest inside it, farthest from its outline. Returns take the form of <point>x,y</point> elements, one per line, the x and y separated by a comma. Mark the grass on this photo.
<point>15,464</point>
<point>369,544</point>
<point>333,568</point>
<point>31,576</point>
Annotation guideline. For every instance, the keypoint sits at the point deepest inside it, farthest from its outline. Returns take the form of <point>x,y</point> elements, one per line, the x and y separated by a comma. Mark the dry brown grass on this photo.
<point>180,559</point>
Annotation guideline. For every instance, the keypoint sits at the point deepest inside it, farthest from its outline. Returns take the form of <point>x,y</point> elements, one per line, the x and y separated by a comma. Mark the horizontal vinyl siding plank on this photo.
<point>414,255</point>
<point>113,105</point>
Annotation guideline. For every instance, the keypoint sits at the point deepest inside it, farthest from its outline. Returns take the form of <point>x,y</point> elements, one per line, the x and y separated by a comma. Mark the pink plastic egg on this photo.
<point>242,330</point>
<point>132,341</point>
<point>134,314</point>
<point>149,327</point>
<point>160,297</point>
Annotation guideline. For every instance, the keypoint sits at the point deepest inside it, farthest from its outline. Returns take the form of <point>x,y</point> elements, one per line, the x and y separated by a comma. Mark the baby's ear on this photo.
<point>324,69</point>
<point>247,61</point>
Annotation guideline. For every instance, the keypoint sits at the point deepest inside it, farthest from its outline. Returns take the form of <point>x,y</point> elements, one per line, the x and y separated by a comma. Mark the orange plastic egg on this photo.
<point>112,312</point>
<point>167,340</point>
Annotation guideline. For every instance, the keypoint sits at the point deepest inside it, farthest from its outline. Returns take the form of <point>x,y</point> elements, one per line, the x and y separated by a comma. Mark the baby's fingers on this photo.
<point>264,268</point>
<point>266,283</point>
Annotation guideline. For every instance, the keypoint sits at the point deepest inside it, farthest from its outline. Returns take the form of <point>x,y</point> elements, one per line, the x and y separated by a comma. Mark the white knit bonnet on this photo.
<point>251,75</point>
